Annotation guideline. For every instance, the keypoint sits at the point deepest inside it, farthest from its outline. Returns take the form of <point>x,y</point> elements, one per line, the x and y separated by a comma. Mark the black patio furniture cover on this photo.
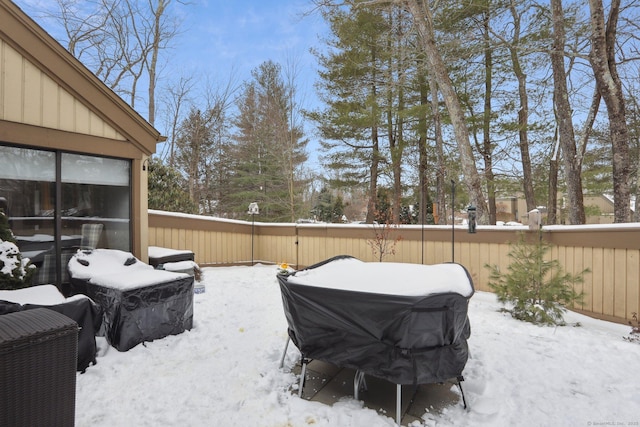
<point>139,303</point>
<point>84,312</point>
<point>406,337</point>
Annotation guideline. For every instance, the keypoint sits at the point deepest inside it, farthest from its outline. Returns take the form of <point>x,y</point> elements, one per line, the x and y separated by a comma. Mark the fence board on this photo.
<point>633,283</point>
<point>612,289</point>
<point>619,280</point>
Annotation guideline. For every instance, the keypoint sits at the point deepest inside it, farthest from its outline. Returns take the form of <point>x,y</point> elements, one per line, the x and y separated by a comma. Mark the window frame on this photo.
<point>58,204</point>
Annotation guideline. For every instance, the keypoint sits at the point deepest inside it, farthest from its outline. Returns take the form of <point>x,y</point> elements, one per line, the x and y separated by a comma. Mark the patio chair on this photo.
<point>46,273</point>
<point>90,235</point>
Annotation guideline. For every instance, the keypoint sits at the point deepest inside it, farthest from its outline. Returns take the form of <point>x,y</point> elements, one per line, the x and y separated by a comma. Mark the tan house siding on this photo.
<point>49,100</point>
<point>28,40</point>
<point>31,97</point>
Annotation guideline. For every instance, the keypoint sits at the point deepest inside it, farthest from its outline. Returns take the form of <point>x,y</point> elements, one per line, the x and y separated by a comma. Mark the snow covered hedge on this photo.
<point>15,271</point>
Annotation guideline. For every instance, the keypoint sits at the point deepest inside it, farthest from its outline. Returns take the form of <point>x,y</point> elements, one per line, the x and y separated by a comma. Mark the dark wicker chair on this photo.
<point>38,351</point>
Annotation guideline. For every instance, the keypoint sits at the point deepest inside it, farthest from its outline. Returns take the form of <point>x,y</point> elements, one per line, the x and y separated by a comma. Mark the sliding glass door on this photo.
<point>96,190</point>
<point>60,202</point>
<point>28,196</point>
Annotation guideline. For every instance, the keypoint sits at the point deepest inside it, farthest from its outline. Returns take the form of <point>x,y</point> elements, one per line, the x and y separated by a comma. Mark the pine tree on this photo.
<point>324,205</point>
<point>538,288</point>
<point>194,143</point>
<point>351,87</point>
<point>268,150</point>
<point>166,189</point>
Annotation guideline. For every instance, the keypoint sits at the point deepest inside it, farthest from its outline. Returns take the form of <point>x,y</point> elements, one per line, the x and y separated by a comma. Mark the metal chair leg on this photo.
<point>284,353</point>
<point>359,382</point>
<point>303,374</point>
<point>399,404</point>
<point>459,384</point>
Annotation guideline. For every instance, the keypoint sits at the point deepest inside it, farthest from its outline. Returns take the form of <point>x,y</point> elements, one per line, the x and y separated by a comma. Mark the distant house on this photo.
<point>598,209</point>
<point>72,153</point>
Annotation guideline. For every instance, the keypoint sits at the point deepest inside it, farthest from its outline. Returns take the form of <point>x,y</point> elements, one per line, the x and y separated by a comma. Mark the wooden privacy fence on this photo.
<point>611,252</point>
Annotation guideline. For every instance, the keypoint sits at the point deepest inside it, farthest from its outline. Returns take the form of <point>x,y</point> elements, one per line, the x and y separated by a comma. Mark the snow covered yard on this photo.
<point>225,371</point>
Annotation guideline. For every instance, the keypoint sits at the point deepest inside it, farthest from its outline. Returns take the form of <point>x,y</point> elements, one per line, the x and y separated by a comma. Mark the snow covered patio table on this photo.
<point>140,303</point>
<point>405,323</point>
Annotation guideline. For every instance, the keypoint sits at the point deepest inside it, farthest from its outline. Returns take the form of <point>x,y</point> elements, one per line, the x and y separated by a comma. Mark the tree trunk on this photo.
<point>422,147</point>
<point>424,24</point>
<point>487,149</point>
<point>440,166</point>
<point>375,154</point>
<point>572,162</point>
<point>155,49</point>
<point>523,112</point>
<point>373,177</point>
<point>552,204</point>
<point>608,83</point>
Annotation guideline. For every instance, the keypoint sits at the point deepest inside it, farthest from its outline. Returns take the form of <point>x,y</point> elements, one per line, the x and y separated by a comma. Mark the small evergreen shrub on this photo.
<point>538,288</point>
<point>15,272</point>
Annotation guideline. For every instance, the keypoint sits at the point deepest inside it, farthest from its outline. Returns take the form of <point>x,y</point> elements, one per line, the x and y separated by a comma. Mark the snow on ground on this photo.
<point>225,371</point>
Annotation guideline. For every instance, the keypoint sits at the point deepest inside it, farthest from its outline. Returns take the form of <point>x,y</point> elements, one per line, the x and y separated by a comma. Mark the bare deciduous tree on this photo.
<point>602,59</point>
<point>573,163</point>
<point>120,40</point>
<point>176,100</point>
<point>423,21</point>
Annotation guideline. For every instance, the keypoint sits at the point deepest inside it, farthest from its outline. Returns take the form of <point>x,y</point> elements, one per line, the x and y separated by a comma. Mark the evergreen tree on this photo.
<point>268,152</point>
<point>167,189</point>
<point>537,287</point>
<point>324,206</point>
<point>383,207</point>
<point>5,232</point>
<point>338,209</point>
<point>328,208</point>
<point>351,87</point>
<point>15,271</point>
<point>596,173</point>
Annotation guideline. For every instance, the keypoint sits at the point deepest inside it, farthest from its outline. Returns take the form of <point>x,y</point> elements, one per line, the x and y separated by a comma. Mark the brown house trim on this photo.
<point>36,136</point>
<point>28,38</point>
<point>136,210</point>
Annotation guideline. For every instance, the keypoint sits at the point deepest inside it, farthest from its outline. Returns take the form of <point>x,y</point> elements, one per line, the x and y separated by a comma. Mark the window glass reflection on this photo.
<point>95,205</point>
<point>96,192</point>
<point>28,193</point>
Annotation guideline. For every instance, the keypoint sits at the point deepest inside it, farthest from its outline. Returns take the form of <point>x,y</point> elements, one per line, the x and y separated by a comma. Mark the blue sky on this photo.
<point>220,34</point>
<point>223,40</point>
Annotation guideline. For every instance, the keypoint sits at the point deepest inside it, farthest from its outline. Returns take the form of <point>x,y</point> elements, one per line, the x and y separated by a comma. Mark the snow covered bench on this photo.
<point>159,256</point>
<point>140,303</point>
